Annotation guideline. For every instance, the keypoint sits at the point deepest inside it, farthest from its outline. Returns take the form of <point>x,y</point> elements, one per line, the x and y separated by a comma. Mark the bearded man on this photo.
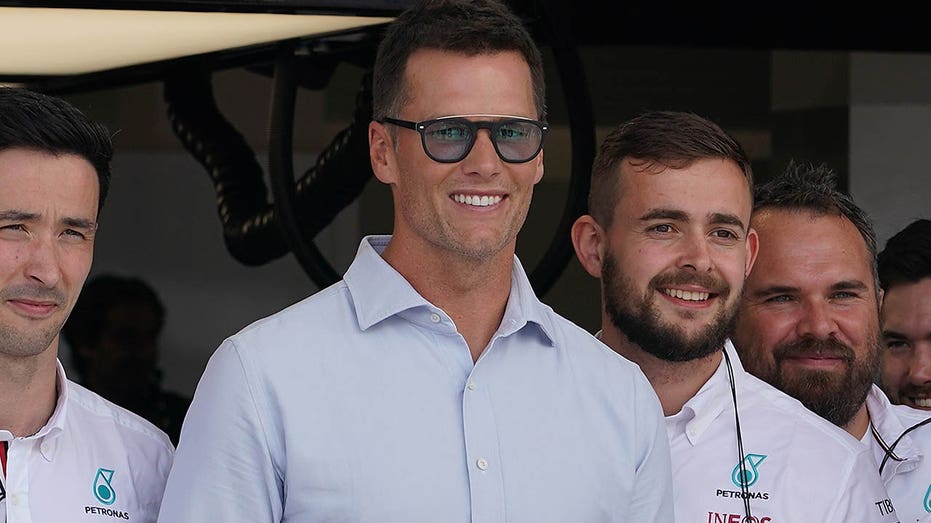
<point>808,323</point>
<point>670,237</point>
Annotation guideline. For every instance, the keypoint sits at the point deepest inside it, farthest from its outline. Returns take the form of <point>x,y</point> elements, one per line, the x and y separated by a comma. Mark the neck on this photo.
<point>28,392</point>
<point>858,425</point>
<point>473,292</point>
<point>675,382</point>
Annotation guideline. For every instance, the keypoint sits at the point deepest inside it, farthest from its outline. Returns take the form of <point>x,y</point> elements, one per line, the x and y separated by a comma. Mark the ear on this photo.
<point>590,241</point>
<point>381,153</point>
<point>753,248</point>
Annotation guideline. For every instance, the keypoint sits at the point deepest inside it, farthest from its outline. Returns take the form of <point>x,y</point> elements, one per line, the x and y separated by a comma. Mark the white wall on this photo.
<point>890,138</point>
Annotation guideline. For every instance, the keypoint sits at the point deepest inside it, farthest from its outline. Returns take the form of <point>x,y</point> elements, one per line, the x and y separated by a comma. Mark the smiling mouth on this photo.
<point>923,403</point>
<point>696,296</point>
<point>476,200</point>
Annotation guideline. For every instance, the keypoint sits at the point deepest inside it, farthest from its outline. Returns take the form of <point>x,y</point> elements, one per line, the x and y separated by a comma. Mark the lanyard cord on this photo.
<point>744,488</point>
<point>889,451</point>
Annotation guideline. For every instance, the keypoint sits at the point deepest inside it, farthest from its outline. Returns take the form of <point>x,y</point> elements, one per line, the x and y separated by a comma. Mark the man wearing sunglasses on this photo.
<point>431,384</point>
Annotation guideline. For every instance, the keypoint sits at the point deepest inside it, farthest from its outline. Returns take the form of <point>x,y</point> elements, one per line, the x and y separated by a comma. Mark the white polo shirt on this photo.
<point>799,467</point>
<point>92,461</point>
<point>908,476</point>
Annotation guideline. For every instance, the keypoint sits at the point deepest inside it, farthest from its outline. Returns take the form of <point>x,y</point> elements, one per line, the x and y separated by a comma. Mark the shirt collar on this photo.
<point>715,396</point>
<point>889,426</point>
<point>48,435</point>
<point>379,292</point>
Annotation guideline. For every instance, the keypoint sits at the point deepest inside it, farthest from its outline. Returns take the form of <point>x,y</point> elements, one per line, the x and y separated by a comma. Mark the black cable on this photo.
<point>744,488</point>
<point>897,440</point>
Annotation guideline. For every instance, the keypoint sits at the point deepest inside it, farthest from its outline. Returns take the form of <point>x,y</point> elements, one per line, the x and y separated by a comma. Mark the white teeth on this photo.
<point>476,200</point>
<point>687,295</point>
<point>923,402</point>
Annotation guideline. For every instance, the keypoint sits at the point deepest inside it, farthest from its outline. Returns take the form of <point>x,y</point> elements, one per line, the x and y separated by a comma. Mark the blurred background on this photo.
<point>854,94</point>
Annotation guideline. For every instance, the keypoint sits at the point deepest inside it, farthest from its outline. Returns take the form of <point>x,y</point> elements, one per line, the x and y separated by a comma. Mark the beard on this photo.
<point>638,318</point>
<point>834,396</point>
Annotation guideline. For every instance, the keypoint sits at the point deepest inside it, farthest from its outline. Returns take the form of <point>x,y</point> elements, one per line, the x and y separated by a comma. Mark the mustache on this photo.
<point>915,390</point>
<point>830,347</point>
<point>33,293</point>
<point>669,279</point>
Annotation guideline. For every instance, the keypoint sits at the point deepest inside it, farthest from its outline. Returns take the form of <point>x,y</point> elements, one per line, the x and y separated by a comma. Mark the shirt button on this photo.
<point>14,499</point>
<point>435,318</point>
<point>470,385</point>
<point>482,464</point>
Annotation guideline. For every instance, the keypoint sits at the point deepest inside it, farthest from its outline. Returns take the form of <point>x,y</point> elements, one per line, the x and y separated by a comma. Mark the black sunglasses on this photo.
<point>450,138</point>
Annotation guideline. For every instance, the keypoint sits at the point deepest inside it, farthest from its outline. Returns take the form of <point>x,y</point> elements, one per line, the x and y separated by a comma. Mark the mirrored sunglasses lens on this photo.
<point>448,140</point>
<point>518,141</point>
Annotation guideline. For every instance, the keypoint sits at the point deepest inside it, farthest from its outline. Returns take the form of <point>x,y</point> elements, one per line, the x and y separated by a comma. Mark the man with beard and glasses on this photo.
<point>669,235</point>
<point>66,454</point>
<point>808,324</point>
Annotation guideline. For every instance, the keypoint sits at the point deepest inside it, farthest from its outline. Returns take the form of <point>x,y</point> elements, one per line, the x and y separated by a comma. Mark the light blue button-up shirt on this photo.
<point>362,403</point>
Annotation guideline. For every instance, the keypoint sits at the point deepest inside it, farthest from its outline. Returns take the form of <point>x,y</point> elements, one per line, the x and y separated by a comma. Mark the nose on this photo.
<point>816,321</point>
<point>695,253</point>
<point>43,263</point>
<point>483,158</point>
<point>919,372</point>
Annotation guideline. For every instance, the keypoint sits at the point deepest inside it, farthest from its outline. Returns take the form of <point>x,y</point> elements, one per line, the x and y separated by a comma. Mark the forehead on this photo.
<point>908,304</point>
<point>442,83</point>
<point>704,188</point>
<point>802,248</point>
<point>39,182</point>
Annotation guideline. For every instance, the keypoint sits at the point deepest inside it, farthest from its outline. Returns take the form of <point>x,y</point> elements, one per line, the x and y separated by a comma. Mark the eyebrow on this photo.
<point>18,216</point>
<point>894,335</point>
<point>682,216</point>
<point>23,216</point>
<point>79,223</point>
<point>774,289</point>
<point>849,285</point>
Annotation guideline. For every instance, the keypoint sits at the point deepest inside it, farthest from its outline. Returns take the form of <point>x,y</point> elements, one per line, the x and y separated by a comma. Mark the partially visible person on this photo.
<point>905,276</point>
<point>809,324</point>
<point>669,236</point>
<point>430,384</point>
<point>67,454</point>
<point>113,333</point>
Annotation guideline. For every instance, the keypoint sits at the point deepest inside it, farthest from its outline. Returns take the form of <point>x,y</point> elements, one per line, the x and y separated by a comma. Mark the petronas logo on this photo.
<point>103,490</point>
<point>750,473</point>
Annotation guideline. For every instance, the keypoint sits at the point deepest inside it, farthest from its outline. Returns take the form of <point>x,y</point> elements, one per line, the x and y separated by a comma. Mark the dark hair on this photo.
<point>907,256</point>
<point>100,295</point>
<point>32,120</point>
<point>468,27</point>
<point>813,188</point>
<point>671,138</point>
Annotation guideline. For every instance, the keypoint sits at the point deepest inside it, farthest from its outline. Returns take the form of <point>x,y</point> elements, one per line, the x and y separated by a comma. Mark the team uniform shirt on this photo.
<point>907,475</point>
<point>797,467</point>
<point>92,461</point>
<point>362,403</point>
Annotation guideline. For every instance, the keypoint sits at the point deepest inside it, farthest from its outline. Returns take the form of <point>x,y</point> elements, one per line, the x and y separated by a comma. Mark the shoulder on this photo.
<point>318,313</point>
<point>909,415</point>
<point>583,346</point>
<point>801,424</point>
<point>105,422</point>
